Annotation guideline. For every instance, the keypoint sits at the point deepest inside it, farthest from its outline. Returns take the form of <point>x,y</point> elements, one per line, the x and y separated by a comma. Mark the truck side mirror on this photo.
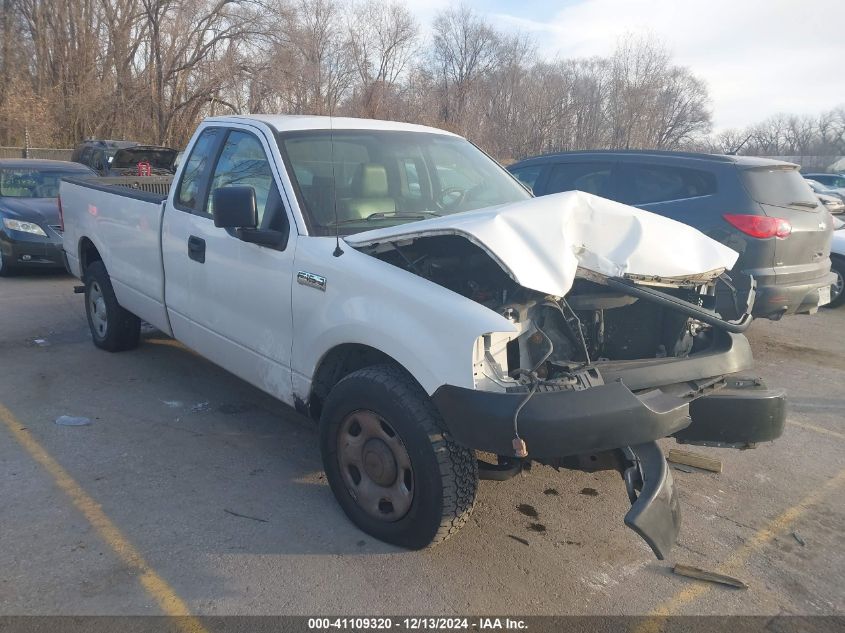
<point>234,208</point>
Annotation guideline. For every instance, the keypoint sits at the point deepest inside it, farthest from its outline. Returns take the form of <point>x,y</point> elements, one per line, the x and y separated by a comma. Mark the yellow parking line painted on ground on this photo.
<point>766,534</point>
<point>817,429</point>
<point>154,584</point>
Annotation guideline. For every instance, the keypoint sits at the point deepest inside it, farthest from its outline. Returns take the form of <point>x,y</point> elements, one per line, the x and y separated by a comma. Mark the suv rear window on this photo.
<point>778,186</point>
<point>645,184</point>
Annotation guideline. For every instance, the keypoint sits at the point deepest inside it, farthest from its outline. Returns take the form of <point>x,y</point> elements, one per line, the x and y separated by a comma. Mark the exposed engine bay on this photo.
<point>558,337</point>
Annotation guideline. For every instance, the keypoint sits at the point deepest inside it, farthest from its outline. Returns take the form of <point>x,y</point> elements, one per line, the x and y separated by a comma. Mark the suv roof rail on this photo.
<point>741,161</point>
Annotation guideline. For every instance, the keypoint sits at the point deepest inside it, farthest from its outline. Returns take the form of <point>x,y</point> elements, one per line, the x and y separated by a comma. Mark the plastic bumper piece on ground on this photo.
<point>655,512</point>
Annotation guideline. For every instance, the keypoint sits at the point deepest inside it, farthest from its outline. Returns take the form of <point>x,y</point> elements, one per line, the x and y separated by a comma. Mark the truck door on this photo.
<point>228,299</point>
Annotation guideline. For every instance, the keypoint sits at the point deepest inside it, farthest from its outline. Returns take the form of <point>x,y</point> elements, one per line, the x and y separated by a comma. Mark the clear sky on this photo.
<point>758,57</point>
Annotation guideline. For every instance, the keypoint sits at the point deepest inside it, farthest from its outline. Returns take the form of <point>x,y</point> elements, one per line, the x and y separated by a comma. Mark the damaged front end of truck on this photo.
<point>614,343</point>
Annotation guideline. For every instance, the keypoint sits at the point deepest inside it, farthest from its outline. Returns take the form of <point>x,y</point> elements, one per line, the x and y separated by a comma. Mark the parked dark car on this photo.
<point>133,161</point>
<point>761,208</point>
<point>30,223</point>
<point>98,154</point>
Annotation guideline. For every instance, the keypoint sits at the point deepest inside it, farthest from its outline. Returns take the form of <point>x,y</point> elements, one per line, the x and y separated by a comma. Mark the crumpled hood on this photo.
<point>541,242</point>
<point>38,210</point>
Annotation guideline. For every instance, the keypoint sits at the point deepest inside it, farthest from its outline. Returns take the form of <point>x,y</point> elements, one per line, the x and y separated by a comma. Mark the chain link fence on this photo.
<point>35,152</point>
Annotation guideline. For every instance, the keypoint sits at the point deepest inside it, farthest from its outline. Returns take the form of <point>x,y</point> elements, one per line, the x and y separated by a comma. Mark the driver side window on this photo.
<point>243,163</point>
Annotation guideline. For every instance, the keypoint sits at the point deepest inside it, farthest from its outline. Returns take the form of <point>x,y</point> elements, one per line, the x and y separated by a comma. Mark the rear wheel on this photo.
<point>391,467</point>
<point>837,288</point>
<point>113,328</point>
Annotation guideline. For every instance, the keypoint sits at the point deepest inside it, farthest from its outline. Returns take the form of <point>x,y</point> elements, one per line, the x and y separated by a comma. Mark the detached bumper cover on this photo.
<point>655,512</point>
<point>560,423</point>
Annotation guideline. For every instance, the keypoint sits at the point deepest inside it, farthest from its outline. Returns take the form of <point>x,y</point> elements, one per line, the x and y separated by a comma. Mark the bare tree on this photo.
<point>149,70</point>
<point>463,52</point>
<point>382,42</point>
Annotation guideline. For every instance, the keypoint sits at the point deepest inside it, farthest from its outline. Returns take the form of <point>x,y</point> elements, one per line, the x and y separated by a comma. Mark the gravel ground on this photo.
<point>178,448</point>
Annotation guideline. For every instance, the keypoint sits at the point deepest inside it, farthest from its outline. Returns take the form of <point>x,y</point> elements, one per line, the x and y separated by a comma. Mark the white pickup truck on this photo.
<point>399,286</point>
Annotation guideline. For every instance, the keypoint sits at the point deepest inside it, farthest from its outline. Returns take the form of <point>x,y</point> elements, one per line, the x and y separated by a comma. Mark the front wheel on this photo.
<point>6,269</point>
<point>837,289</point>
<point>389,464</point>
<point>113,328</point>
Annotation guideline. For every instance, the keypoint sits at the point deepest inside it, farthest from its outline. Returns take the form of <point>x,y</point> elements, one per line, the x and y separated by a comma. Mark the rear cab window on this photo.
<point>779,186</point>
<point>644,184</point>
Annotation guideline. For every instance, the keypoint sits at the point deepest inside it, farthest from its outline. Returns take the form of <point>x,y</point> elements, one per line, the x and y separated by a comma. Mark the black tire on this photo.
<point>837,265</point>
<point>6,270</point>
<point>121,329</point>
<point>444,474</point>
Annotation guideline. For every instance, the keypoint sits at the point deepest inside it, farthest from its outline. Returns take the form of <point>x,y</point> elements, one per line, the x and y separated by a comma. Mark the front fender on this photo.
<point>426,328</point>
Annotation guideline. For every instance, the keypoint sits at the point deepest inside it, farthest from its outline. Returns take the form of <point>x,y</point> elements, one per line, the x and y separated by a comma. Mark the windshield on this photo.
<point>779,186</point>
<point>350,181</point>
<point>33,183</point>
<point>159,158</point>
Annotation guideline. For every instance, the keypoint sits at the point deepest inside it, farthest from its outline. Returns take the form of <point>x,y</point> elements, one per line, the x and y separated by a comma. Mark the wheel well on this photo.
<point>88,254</point>
<point>338,363</point>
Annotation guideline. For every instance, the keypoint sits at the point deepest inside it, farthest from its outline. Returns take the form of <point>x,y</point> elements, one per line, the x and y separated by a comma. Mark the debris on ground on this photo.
<point>245,516</point>
<point>69,420</point>
<point>551,491</point>
<point>41,342</point>
<point>201,407</point>
<point>683,469</point>
<point>589,492</point>
<point>518,539</point>
<point>709,576</point>
<point>527,510</point>
<point>697,460</point>
<point>798,538</point>
<point>173,404</point>
<point>536,527</point>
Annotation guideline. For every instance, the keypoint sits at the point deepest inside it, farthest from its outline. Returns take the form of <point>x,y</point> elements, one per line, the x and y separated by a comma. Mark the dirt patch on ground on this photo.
<point>802,353</point>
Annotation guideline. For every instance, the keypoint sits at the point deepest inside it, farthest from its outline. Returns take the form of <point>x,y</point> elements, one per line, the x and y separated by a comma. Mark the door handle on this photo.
<point>196,249</point>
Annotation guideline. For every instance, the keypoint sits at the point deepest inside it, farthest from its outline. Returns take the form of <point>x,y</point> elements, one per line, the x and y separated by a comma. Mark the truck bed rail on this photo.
<point>149,188</point>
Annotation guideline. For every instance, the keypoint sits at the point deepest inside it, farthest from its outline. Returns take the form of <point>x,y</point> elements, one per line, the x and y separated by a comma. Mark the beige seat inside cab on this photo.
<point>370,192</point>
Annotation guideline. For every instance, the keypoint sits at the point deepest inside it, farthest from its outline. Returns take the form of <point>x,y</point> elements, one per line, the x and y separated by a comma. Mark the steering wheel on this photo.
<point>451,198</point>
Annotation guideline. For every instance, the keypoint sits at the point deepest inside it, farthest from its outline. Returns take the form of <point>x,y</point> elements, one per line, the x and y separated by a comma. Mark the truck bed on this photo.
<point>122,217</point>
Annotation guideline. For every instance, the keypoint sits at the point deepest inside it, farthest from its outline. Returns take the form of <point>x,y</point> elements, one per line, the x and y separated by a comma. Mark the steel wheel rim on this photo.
<point>838,286</point>
<point>375,466</point>
<point>97,310</point>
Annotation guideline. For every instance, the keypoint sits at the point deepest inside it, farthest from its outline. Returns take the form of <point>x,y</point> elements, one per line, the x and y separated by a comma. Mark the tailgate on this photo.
<point>782,192</point>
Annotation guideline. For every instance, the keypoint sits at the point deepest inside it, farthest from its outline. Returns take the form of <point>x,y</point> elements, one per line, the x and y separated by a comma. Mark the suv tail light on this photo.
<point>61,215</point>
<point>760,226</point>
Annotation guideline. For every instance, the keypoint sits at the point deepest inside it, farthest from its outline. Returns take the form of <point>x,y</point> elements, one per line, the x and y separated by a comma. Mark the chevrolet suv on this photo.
<point>761,208</point>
